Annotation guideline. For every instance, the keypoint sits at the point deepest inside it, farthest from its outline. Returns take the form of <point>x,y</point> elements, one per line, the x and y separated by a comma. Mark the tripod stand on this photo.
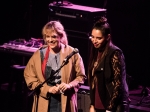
<point>145,92</point>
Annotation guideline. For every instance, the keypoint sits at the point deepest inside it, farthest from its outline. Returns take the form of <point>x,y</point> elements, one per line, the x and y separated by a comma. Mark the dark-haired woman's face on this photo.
<point>97,38</point>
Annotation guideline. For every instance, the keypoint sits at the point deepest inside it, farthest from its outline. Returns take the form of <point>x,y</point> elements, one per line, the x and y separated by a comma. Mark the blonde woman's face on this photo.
<point>97,38</point>
<point>52,39</point>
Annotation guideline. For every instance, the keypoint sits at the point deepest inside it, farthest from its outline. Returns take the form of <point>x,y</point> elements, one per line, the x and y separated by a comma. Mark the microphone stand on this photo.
<point>37,89</point>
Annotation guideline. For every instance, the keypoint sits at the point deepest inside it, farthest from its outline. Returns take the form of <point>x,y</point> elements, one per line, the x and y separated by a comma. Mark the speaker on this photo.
<point>77,21</point>
<point>83,102</point>
<point>83,99</point>
<point>82,44</point>
<point>76,18</point>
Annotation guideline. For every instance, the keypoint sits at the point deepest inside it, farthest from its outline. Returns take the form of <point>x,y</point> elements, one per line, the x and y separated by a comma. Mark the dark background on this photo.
<point>129,20</point>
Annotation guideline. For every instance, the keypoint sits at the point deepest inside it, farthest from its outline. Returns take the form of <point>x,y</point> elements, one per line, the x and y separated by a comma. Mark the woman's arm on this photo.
<point>31,78</point>
<point>80,72</point>
<point>116,62</point>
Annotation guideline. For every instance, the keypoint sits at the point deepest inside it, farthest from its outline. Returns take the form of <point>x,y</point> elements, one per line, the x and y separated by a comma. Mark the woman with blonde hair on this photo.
<point>59,93</point>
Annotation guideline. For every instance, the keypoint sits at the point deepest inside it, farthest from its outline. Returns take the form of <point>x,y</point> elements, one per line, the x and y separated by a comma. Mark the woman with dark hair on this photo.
<point>106,72</point>
<point>59,93</point>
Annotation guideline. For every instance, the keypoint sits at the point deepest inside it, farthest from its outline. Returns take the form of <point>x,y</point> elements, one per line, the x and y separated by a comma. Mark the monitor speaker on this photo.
<point>82,44</point>
<point>83,102</point>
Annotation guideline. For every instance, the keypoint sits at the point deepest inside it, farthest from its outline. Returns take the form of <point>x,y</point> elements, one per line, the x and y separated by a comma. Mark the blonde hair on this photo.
<point>58,27</point>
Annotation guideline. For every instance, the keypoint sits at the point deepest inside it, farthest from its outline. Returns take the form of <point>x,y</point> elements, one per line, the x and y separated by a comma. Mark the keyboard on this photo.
<point>18,47</point>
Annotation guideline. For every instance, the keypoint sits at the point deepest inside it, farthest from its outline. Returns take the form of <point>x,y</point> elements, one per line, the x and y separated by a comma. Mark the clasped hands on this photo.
<point>60,88</point>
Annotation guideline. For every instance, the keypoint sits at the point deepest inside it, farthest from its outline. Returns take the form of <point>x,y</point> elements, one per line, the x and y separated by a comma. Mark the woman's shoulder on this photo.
<point>36,53</point>
<point>114,48</point>
<point>68,47</point>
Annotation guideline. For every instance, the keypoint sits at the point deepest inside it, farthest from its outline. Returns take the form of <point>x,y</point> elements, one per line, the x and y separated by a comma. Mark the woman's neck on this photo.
<point>55,50</point>
<point>101,49</point>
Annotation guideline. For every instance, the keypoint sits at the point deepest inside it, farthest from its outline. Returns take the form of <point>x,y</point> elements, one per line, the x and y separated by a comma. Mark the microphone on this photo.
<point>70,55</point>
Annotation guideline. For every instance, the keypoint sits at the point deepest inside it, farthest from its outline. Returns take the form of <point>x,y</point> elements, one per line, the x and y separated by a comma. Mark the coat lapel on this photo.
<point>38,67</point>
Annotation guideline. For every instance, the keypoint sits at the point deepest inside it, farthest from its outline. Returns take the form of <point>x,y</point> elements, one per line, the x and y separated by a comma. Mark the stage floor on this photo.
<point>140,100</point>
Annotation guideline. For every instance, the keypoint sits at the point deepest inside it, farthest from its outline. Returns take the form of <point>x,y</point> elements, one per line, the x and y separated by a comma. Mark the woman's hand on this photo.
<point>54,90</point>
<point>63,87</point>
<point>92,108</point>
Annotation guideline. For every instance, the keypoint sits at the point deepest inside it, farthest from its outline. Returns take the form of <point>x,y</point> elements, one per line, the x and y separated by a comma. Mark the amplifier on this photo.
<point>76,18</point>
<point>83,99</point>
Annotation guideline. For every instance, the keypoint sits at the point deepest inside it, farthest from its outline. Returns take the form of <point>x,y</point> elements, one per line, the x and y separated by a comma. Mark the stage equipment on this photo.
<point>77,21</point>
<point>144,93</point>
<point>83,99</point>
<point>61,3</point>
<point>21,46</point>
<point>76,18</point>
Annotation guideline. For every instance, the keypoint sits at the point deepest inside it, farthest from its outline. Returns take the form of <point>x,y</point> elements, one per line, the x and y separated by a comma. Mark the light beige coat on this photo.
<point>73,73</point>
